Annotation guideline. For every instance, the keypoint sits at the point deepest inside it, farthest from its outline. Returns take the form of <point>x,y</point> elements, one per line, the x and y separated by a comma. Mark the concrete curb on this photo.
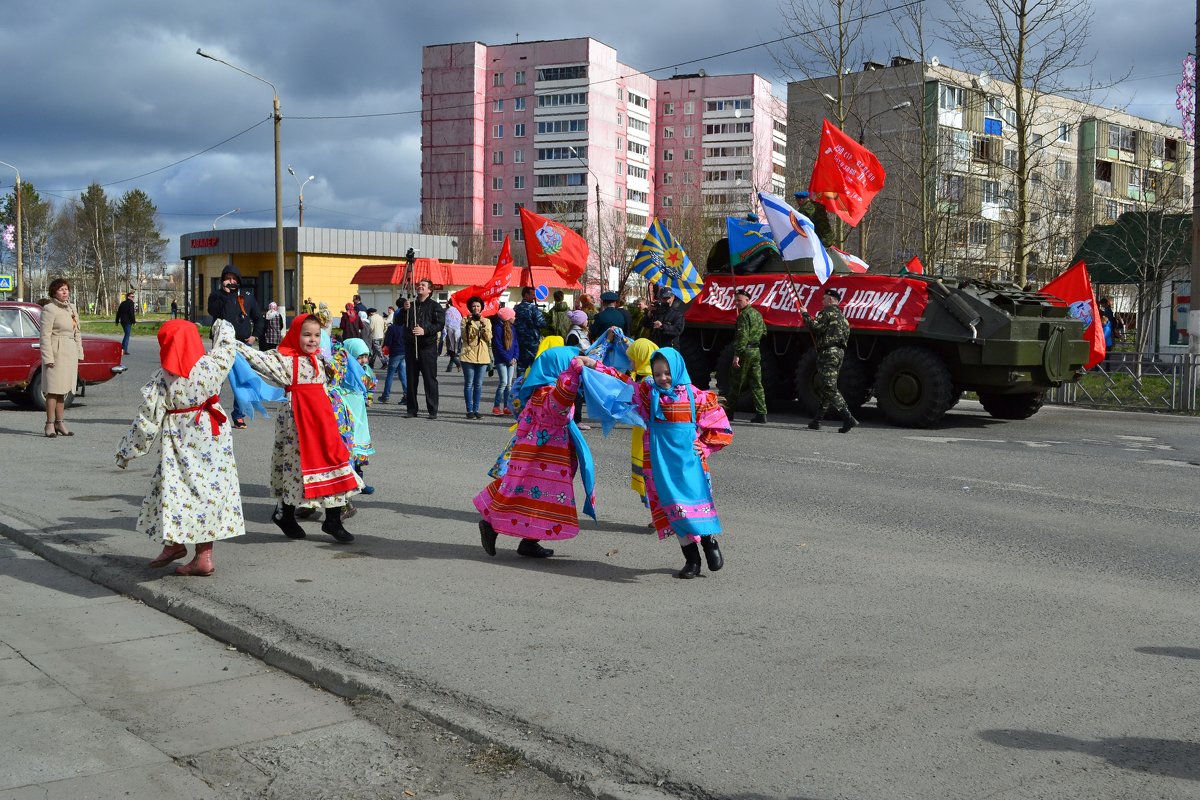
<point>582,766</point>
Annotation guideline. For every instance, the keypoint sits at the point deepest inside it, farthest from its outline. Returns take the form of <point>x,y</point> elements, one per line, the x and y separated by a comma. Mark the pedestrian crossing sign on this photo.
<point>6,283</point>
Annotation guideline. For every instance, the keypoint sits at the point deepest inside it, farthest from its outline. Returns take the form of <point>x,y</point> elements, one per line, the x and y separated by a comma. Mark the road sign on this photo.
<point>541,292</point>
<point>6,283</point>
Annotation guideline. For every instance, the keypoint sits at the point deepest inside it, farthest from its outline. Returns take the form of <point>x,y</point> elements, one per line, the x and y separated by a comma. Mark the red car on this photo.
<point>21,357</point>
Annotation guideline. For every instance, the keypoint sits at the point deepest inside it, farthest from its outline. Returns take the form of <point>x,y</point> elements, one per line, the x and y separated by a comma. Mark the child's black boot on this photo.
<point>285,518</point>
<point>691,567</point>
<point>333,525</point>
<point>712,553</point>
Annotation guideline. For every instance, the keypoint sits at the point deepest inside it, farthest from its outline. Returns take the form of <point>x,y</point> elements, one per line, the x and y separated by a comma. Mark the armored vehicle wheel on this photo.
<point>1012,406</point>
<point>770,379</point>
<point>854,382</point>
<point>700,362</point>
<point>913,387</point>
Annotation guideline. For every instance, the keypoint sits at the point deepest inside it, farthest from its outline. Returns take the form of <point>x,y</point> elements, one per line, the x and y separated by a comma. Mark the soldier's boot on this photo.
<point>848,422</point>
<point>815,425</point>
<point>691,567</point>
<point>759,418</point>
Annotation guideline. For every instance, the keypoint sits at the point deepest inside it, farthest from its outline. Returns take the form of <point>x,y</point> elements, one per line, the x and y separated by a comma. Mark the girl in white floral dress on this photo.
<point>194,495</point>
<point>310,465</point>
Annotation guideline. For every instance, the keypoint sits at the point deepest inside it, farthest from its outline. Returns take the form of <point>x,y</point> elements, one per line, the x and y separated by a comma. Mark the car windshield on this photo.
<point>13,323</point>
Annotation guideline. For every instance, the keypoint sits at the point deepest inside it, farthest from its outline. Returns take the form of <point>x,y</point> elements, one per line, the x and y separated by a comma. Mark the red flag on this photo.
<point>915,266</point>
<point>1074,289</point>
<point>846,175</point>
<point>489,292</point>
<point>552,244</point>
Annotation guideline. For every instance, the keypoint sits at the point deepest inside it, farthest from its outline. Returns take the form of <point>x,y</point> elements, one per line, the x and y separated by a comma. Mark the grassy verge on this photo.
<point>145,326</point>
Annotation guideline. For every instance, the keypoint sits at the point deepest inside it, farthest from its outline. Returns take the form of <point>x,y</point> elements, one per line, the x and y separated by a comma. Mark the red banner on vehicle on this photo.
<point>870,302</point>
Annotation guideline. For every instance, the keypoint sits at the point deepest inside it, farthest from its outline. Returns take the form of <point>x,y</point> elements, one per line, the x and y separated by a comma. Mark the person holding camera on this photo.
<point>240,310</point>
<point>476,354</point>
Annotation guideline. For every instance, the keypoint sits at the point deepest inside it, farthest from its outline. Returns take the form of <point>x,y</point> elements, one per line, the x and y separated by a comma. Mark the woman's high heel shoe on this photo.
<point>60,428</point>
<point>50,432</point>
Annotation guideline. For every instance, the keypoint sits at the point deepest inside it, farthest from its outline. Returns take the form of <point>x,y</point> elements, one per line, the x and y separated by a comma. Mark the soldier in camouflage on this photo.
<point>831,333</point>
<point>747,360</point>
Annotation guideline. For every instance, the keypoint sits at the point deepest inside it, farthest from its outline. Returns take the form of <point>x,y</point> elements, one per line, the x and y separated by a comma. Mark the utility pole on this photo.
<point>20,259</point>
<point>1193,306</point>
<point>600,229</point>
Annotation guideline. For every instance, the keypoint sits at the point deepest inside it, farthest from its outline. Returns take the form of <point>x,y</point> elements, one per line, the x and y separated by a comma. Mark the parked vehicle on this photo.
<point>916,343</point>
<point>21,357</point>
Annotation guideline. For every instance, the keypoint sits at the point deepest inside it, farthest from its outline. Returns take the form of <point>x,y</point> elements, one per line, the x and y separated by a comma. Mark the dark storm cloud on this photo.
<point>107,91</point>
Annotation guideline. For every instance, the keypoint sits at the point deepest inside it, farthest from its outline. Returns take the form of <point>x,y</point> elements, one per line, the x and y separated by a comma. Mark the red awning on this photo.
<point>454,275</point>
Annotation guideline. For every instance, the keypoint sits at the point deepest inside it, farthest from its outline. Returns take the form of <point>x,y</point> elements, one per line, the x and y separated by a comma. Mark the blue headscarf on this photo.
<point>544,372</point>
<point>612,354</point>
<point>679,377</point>
<point>355,373</point>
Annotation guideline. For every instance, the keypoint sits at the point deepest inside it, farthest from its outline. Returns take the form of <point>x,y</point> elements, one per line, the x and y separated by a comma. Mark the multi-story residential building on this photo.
<point>563,128</point>
<point>948,140</point>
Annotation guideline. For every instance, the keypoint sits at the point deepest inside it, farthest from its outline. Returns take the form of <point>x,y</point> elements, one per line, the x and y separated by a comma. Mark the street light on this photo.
<point>292,172</point>
<point>20,262</point>
<point>277,117</point>
<point>226,214</point>
<point>599,227</point>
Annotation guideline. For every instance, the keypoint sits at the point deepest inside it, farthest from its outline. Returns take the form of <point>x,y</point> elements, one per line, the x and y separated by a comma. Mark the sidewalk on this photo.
<point>103,697</point>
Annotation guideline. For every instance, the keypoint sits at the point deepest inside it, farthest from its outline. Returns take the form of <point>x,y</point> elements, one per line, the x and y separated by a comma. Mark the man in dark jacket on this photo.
<point>423,321</point>
<point>529,324</point>
<point>393,342</point>
<point>664,322</point>
<point>612,315</point>
<point>240,310</point>
<point>126,316</point>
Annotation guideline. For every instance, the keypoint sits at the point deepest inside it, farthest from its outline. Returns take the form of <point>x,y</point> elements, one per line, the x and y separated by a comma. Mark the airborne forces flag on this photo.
<point>662,260</point>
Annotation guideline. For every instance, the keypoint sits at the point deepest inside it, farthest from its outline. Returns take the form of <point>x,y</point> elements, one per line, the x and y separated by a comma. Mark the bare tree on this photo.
<point>1033,45</point>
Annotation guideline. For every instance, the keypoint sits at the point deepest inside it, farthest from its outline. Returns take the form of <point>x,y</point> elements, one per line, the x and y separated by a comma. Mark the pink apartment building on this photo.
<point>563,128</point>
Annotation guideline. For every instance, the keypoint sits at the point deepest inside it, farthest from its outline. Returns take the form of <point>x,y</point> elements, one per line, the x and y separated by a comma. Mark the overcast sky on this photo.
<point>110,91</point>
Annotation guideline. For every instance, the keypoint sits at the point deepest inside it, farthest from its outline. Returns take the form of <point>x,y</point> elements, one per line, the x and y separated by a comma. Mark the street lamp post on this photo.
<point>599,226</point>
<point>20,260</point>
<point>226,214</point>
<point>280,297</point>
<point>292,172</point>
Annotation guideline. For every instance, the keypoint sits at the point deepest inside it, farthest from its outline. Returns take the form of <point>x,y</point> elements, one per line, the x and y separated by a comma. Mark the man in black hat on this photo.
<point>240,310</point>
<point>665,322</point>
<point>611,315</point>
<point>746,374</point>
<point>831,332</point>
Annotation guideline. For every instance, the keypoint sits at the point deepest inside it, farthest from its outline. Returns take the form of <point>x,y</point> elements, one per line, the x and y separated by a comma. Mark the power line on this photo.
<point>647,72</point>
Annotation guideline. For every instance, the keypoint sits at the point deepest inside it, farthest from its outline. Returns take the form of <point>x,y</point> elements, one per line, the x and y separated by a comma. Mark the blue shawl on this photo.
<point>250,390</point>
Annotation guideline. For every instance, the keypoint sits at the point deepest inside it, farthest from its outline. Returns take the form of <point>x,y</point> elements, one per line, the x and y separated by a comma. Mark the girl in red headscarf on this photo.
<point>194,494</point>
<point>310,465</point>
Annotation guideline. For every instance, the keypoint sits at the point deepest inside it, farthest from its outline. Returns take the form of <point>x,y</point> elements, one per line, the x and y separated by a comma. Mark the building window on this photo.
<point>497,80</point>
<point>728,105</point>
<point>562,99</point>
<point>498,184</point>
<point>638,172</point>
<point>519,129</point>
<point>1062,170</point>
<point>1064,132</point>
<point>498,104</point>
<point>1121,138</point>
<point>668,133</point>
<point>497,234</point>
<point>620,143</point>
<point>995,108</point>
<point>1104,171</point>
<point>951,97</point>
<point>636,196</point>
<point>687,177</point>
<point>668,201</point>
<point>519,102</point>
<point>518,181</point>
<point>954,187</point>
<point>689,131</point>
<point>983,148</point>
<point>519,78</point>
<point>563,126</point>
<point>498,157</point>
<point>689,107</point>
<point>620,93</point>
<point>497,209</point>
<point>553,181</point>
<point>518,234</point>
<point>638,100</point>
<point>562,73</point>
<point>1010,115</point>
<point>727,127</point>
<point>620,167</point>
<point>638,149</point>
<point>668,155</point>
<point>560,153</point>
<point>636,124</point>
<point>1010,159</point>
<point>1062,247</point>
<point>1135,181</point>
<point>991,192</point>
<point>497,131</point>
<point>668,177</point>
<point>668,108</point>
<point>620,119</point>
<point>518,156</point>
<point>979,233</point>
<point>517,209</point>
<point>689,154</point>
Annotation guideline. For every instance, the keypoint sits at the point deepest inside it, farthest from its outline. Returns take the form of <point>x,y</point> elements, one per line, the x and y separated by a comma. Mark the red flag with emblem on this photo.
<point>1074,289</point>
<point>489,292</point>
<point>846,175</point>
<point>915,266</point>
<point>551,244</point>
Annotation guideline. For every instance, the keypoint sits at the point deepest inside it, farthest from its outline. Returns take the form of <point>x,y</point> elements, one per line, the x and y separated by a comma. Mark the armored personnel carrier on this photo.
<point>916,345</point>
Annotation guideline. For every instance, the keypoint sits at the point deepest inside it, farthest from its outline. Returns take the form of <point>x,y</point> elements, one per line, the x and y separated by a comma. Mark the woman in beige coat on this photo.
<point>62,349</point>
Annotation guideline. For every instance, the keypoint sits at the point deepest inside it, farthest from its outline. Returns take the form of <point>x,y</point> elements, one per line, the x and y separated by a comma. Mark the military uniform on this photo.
<point>832,333</point>
<point>819,217</point>
<point>749,332</point>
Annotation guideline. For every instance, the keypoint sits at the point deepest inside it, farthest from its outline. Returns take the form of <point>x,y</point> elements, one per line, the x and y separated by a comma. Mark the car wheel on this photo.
<point>37,398</point>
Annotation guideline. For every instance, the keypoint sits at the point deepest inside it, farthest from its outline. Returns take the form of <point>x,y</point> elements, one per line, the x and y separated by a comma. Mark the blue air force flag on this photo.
<point>662,260</point>
<point>747,238</point>
<point>795,235</point>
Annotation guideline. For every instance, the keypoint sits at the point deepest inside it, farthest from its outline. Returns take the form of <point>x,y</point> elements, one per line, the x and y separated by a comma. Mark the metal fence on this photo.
<point>1145,381</point>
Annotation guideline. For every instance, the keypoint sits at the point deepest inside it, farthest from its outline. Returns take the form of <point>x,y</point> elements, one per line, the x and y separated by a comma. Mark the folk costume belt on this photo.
<point>210,406</point>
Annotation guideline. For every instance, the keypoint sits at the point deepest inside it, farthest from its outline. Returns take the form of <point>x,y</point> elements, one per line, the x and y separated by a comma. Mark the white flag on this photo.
<point>795,235</point>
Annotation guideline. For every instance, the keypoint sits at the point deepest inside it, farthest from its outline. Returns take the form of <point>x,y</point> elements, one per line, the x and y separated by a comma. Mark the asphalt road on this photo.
<point>988,609</point>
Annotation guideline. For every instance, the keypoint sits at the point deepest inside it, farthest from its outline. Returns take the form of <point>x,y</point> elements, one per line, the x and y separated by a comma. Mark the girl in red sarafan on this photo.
<point>310,465</point>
